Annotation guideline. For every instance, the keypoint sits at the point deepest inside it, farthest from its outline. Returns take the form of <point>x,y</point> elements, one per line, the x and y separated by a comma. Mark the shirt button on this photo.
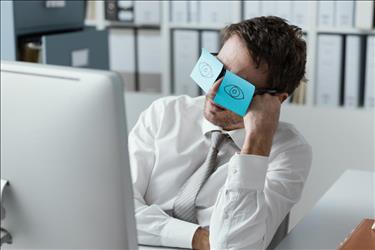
<point>234,171</point>
<point>226,216</point>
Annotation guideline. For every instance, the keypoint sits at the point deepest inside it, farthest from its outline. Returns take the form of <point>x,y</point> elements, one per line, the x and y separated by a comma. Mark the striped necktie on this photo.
<point>184,205</point>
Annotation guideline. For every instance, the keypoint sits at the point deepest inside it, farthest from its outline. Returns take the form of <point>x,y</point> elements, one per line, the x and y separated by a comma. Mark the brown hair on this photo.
<point>271,40</point>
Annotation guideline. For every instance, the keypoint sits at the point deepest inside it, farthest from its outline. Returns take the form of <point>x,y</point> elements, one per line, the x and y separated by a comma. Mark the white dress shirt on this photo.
<point>243,201</point>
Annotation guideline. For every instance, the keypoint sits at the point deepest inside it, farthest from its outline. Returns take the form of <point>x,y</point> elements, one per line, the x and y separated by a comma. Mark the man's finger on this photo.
<point>214,88</point>
<point>216,85</point>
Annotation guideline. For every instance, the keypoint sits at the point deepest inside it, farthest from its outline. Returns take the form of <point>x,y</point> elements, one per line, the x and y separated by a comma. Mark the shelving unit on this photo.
<point>51,33</point>
<point>341,138</point>
<point>166,27</point>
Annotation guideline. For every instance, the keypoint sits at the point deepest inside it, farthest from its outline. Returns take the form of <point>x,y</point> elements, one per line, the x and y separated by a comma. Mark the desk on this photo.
<point>337,213</point>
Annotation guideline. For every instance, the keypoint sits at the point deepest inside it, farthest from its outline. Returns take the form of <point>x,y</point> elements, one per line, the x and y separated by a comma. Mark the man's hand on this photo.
<point>261,123</point>
<point>201,239</point>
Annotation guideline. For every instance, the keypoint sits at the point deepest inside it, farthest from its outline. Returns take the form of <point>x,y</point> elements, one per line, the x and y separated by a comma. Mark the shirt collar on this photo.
<point>238,135</point>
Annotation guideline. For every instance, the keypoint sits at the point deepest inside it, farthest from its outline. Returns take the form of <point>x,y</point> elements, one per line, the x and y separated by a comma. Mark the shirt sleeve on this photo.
<point>257,195</point>
<point>154,226</point>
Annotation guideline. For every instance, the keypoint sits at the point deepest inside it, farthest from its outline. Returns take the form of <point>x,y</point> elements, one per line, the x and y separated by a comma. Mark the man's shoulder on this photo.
<point>178,103</point>
<point>289,135</point>
<point>171,111</point>
<point>167,113</point>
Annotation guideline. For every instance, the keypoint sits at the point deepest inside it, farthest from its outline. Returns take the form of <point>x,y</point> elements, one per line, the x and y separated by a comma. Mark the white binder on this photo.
<point>328,79</point>
<point>352,71</point>
<point>300,16</point>
<point>179,11</point>
<point>326,11</point>
<point>185,55</point>
<point>370,73</point>
<point>251,9</point>
<point>147,12</point>
<point>122,55</point>
<point>344,14</point>
<point>194,11</point>
<point>284,10</point>
<point>364,14</point>
<point>211,41</point>
<point>217,12</point>
<point>149,58</point>
<point>268,8</point>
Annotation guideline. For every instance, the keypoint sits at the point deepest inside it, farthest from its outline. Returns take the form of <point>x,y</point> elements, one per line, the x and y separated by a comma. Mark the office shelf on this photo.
<point>166,27</point>
<point>119,24</point>
<point>345,31</point>
<point>195,26</point>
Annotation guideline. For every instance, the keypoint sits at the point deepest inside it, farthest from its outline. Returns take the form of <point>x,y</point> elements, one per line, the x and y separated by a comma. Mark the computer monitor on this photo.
<point>64,153</point>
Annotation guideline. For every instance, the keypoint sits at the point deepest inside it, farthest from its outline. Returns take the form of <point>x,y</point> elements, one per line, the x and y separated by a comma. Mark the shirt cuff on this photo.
<point>247,172</point>
<point>178,233</point>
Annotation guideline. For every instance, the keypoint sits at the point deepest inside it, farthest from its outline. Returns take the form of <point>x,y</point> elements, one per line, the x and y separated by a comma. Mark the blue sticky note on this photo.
<point>234,93</point>
<point>206,71</point>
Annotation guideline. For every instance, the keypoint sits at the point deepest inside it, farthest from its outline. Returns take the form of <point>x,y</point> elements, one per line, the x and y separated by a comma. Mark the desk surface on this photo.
<point>336,214</point>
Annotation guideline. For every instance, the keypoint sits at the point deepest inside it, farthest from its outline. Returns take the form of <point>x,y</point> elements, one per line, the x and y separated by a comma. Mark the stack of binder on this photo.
<point>187,46</point>
<point>346,14</point>
<point>149,58</point>
<point>207,12</point>
<point>185,54</point>
<point>328,77</point>
<point>345,71</point>
<point>292,11</point>
<point>122,55</point>
<point>136,54</point>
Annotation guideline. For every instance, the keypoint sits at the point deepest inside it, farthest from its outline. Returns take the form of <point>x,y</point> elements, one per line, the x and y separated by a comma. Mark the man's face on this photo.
<point>236,58</point>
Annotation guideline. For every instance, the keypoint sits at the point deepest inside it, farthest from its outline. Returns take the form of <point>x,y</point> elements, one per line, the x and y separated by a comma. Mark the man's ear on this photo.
<point>282,97</point>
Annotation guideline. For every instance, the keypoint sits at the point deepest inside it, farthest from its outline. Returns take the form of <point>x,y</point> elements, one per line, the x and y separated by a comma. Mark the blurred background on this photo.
<point>155,44</point>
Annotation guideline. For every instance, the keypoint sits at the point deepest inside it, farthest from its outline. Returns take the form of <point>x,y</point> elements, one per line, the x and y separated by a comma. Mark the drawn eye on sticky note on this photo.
<point>234,93</point>
<point>206,70</point>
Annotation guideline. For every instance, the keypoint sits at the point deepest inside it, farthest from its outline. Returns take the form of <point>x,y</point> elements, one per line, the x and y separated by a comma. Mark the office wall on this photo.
<point>339,143</point>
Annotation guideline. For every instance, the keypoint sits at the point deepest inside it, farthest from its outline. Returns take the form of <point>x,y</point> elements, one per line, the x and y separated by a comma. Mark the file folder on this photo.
<point>122,55</point>
<point>352,71</point>
<point>185,55</point>
<point>149,60</point>
<point>370,73</point>
<point>329,70</point>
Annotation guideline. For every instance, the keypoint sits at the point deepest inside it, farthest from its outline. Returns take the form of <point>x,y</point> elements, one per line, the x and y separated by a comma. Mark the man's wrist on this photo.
<point>257,144</point>
<point>178,233</point>
<point>200,239</point>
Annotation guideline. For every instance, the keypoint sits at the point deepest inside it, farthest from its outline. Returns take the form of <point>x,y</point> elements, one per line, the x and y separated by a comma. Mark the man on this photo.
<point>259,164</point>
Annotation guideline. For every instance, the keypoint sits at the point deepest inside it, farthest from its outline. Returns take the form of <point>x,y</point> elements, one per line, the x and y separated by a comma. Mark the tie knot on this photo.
<point>217,137</point>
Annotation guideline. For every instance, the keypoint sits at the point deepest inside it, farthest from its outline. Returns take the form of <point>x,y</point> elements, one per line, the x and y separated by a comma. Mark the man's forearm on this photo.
<point>257,144</point>
<point>239,216</point>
